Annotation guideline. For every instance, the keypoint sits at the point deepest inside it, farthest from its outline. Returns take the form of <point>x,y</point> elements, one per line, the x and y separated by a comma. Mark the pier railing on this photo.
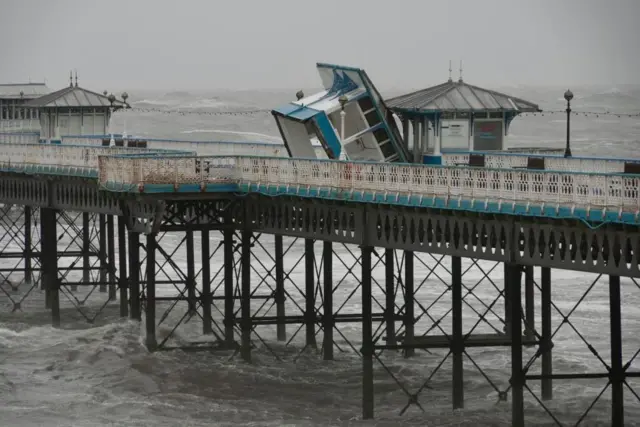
<point>19,137</point>
<point>521,160</point>
<point>83,158</point>
<point>411,182</point>
<point>133,169</point>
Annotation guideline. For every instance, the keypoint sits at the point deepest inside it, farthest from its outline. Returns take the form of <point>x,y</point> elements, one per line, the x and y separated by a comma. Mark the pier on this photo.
<point>264,234</point>
<point>392,213</point>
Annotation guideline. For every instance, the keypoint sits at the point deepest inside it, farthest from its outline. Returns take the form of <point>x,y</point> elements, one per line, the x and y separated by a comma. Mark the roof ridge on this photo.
<point>415,92</point>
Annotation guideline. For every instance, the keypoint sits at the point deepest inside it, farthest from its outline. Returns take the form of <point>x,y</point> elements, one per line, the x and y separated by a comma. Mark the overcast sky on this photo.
<point>235,44</point>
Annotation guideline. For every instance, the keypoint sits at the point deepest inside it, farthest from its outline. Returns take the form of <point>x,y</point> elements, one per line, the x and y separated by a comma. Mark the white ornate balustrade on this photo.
<point>19,137</point>
<point>522,187</point>
<point>83,158</point>
<point>21,125</point>
<point>139,168</point>
<point>502,160</point>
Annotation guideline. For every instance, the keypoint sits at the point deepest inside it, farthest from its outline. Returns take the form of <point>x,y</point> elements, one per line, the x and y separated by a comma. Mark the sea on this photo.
<point>99,372</point>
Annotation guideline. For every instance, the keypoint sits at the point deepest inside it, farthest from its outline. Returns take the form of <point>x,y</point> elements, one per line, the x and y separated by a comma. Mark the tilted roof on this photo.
<point>74,97</point>
<point>23,90</point>
<point>459,96</point>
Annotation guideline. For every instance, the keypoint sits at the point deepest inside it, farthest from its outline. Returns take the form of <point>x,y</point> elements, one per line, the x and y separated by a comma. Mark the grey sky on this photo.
<point>186,44</point>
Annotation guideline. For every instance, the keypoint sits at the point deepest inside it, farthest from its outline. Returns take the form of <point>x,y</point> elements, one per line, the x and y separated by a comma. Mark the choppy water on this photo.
<point>101,374</point>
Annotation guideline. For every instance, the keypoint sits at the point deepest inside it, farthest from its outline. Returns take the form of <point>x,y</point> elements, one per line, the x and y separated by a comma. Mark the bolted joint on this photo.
<point>502,396</point>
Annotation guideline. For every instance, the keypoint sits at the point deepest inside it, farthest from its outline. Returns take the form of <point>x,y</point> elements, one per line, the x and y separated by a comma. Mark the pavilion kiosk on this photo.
<point>74,111</point>
<point>348,119</point>
<point>455,116</point>
<point>14,116</point>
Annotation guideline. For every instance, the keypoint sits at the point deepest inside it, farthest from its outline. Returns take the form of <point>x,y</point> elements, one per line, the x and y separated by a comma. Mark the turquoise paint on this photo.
<point>432,160</point>
<point>325,127</point>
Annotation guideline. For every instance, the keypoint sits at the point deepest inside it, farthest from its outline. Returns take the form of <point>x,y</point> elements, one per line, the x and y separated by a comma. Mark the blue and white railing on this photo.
<point>20,125</point>
<point>593,196</point>
<point>72,160</point>
<point>507,160</point>
<point>524,192</point>
<point>19,137</point>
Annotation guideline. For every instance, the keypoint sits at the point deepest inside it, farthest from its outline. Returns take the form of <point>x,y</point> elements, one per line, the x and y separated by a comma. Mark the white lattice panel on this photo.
<point>19,138</point>
<point>552,162</point>
<point>578,190</point>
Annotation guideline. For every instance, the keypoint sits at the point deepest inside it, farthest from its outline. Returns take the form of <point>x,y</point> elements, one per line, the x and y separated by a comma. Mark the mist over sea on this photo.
<point>101,374</point>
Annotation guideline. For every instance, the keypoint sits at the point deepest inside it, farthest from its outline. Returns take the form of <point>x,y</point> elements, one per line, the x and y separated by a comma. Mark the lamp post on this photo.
<point>568,95</point>
<point>22,110</point>
<point>125,95</point>
<point>111,99</point>
<point>343,101</point>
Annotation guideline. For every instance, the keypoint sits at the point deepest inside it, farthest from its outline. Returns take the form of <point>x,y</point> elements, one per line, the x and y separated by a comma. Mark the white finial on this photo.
<point>450,71</point>
<point>460,80</point>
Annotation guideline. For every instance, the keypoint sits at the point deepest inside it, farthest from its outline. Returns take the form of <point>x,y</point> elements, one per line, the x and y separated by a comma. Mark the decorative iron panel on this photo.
<point>302,218</point>
<point>425,231</point>
<point>605,250</point>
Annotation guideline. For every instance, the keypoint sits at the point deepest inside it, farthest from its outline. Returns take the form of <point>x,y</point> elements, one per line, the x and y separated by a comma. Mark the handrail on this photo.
<point>561,188</point>
<point>139,168</point>
<point>493,159</point>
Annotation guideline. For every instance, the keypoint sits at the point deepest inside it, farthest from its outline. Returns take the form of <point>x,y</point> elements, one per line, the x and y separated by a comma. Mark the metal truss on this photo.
<point>264,263</point>
<point>86,262</point>
<point>570,325</point>
<point>448,305</point>
<point>19,254</point>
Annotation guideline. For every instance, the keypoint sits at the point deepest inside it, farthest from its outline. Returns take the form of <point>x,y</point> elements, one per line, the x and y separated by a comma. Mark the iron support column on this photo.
<point>44,249</point>
<point>245,347</point>
<point>457,344</point>
<point>86,263</point>
<point>111,256</point>
<point>191,279</point>
<point>545,312</point>
<point>367,336</point>
<point>616,374</point>
<point>328,300</point>
<point>49,261</point>
<point>513,282</point>
<point>507,300</point>
<point>281,327</point>
<point>102,252</point>
<point>134,274</point>
<point>530,326</point>
<point>390,296</point>
<point>229,266</point>
<point>122,267</point>
<point>309,296</point>
<point>207,327</point>
<point>28,246</point>
<point>150,307</point>
<point>409,316</point>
